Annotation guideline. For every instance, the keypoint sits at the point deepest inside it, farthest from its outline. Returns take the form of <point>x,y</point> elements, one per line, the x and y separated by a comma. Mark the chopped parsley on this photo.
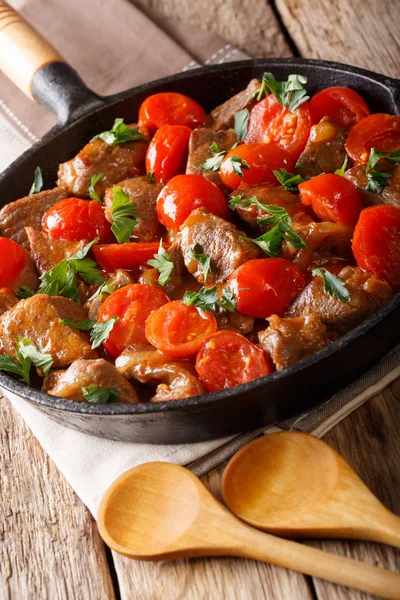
<point>20,367</point>
<point>105,288</point>
<point>238,164</point>
<point>150,177</point>
<point>24,292</point>
<point>100,395</point>
<point>163,263</point>
<point>92,192</point>
<point>342,169</point>
<point>271,241</point>
<point>84,325</point>
<point>27,349</point>
<point>124,216</point>
<point>214,163</point>
<point>377,180</point>
<point>101,331</point>
<point>290,181</point>
<point>290,93</point>
<point>120,133</point>
<point>227,300</point>
<point>195,252</point>
<point>241,120</point>
<point>332,284</point>
<point>37,184</point>
<point>206,299</point>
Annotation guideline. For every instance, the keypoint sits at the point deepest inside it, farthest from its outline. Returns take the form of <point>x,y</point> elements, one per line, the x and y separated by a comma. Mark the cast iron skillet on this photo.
<point>82,114</point>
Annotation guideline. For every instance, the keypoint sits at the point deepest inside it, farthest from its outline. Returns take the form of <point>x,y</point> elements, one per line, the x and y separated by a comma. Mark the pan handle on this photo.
<point>39,70</point>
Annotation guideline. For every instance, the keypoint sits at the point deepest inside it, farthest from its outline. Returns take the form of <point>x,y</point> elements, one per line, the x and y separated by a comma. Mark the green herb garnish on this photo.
<point>120,133</point>
<point>105,288</point>
<point>24,292</point>
<point>101,331</point>
<point>290,93</point>
<point>150,177</point>
<point>84,325</point>
<point>195,252</point>
<point>214,162</point>
<point>342,169</point>
<point>290,181</point>
<point>27,349</point>
<point>377,180</point>
<point>163,263</point>
<point>271,241</point>
<point>20,367</point>
<point>37,184</point>
<point>332,284</point>
<point>124,216</point>
<point>206,299</point>
<point>241,119</point>
<point>99,395</point>
<point>94,180</point>
<point>227,300</point>
<point>238,164</point>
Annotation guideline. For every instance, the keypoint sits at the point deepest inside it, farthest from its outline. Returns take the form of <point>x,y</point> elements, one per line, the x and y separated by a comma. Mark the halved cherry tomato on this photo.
<point>13,260</point>
<point>170,108</point>
<point>183,194</point>
<point>272,123</point>
<point>376,243</point>
<point>265,286</point>
<point>132,304</point>
<point>379,131</point>
<point>125,256</point>
<point>76,219</point>
<point>262,159</point>
<point>227,359</point>
<point>178,330</point>
<point>167,152</point>
<point>341,104</point>
<point>332,198</point>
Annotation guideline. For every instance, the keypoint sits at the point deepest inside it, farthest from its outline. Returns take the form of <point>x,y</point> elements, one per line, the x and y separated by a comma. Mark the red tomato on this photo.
<point>4,291</point>
<point>332,198</point>
<point>264,287</point>
<point>170,108</point>
<point>379,131</point>
<point>272,123</point>
<point>13,260</point>
<point>125,256</point>
<point>183,194</point>
<point>132,304</point>
<point>262,159</point>
<point>76,219</point>
<point>341,104</point>
<point>167,152</point>
<point>178,330</point>
<point>376,243</point>
<point>227,359</point>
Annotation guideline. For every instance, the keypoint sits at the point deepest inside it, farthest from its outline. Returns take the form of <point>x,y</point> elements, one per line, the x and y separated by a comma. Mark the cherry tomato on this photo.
<point>178,330</point>
<point>125,256</point>
<point>379,131</point>
<point>170,108</point>
<point>13,260</point>
<point>272,123</point>
<point>341,104</point>
<point>132,304</point>
<point>76,219</point>
<point>227,359</point>
<point>332,198</point>
<point>167,152</point>
<point>264,287</point>
<point>262,159</point>
<point>183,194</point>
<point>376,242</point>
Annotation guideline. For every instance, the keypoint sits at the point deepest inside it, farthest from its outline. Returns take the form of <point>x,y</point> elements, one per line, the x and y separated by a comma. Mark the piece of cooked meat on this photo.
<point>144,197</point>
<point>118,279</point>
<point>235,321</point>
<point>325,151</point>
<point>84,373</point>
<point>288,340</point>
<point>220,240</point>
<point>367,294</point>
<point>39,319</point>
<point>48,252</point>
<point>390,193</point>
<point>28,212</point>
<point>222,117</point>
<point>7,300</point>
<point>199,151</point>
<point>118,162</point>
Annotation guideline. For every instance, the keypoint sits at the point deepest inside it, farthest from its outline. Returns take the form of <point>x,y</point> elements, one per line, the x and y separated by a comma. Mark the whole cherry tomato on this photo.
<point>379,131</point>
<point>170,108</point>
<point>132,305</point>
<point>13,260</point>
<point>167,152</point>
<point>332,198</point>
<point>227,359</point>
<point>341,104</point>
<point>253,164</point>
<point>183,194</point>
<point>272,123</point>
<point>265,286</point>
<point>178,330</point>
<point>125,256</point>
<point>76,219</point>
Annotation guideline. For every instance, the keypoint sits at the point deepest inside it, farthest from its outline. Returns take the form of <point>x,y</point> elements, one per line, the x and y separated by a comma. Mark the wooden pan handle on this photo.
<point>23,51</point>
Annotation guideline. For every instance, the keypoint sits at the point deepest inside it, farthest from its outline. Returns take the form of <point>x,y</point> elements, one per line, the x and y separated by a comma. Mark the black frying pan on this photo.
<point>81,114</point>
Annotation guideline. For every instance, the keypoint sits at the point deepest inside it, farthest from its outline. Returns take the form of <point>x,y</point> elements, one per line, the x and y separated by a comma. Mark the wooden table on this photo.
<point>49,545</point>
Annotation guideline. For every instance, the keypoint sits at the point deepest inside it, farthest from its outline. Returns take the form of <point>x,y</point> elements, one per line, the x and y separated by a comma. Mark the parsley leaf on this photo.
<point>100,395</point>
<point>124,216</point>
<point>332,284</point>
<point>196,253</point>
<point>238,164</point>
<point>290,181</point>
<point>150,177</point>
<point>227,300</point>
<point>37,184</point>
<point>377,180</point>
<point>271,241</point>
<point>105,288</point>
<point>393,156</point>
<point>84,325</point>
<point>101,331</point>
<point>214,163</point>
<point>342,169</point>
<point>92,192</point>
<point>27,350</point>
<point>241,119</point>
<point>21,367</point>
<point>290,93</point>
<point>119,134</point>
<point>163,263</point>
<point>24,292</point>
<point>374,158</point>
<point>206,298</point>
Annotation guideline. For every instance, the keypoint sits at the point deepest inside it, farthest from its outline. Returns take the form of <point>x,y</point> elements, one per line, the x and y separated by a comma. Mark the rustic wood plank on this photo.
<point>364,33</point>
<point>49,545</point>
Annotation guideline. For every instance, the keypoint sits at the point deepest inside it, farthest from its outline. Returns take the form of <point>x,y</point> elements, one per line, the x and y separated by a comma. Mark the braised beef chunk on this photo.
<point>289,340</point>
<point>367,294</point>
<point>118,162</point>
<point>144,196</point>
<point>199,151</point>
<point>39,319</point>
<point>7,300</point>
<point>28,212</point>
<point>217,238</point>
<point>222,117</point>
<point>390,194</point>
<point>118,279</point>
<point>84,373</point>
<point>235,321</point>
<point>325,151</point>
<point>47,252</point>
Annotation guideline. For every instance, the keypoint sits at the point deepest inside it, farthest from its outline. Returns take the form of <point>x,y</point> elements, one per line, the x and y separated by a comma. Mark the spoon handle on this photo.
<point>386,530</point>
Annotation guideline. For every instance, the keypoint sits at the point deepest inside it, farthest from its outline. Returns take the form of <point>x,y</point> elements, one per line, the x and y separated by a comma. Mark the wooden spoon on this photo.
<point>160,511</point>
<point>293,484</point>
